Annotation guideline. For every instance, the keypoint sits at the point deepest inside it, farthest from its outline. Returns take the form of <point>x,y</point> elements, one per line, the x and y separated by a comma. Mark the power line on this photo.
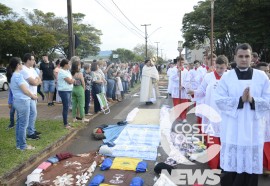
<point>146,25</point>
<point>118,19</point>
<point>126,17</point>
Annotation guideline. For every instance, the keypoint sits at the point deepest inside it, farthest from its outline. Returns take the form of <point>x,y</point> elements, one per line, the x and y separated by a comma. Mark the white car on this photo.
<point>3,82</point>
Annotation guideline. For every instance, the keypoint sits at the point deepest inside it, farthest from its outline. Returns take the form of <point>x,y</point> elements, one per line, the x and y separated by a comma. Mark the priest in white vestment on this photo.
<point>242,96</point>
<point>149,83</point>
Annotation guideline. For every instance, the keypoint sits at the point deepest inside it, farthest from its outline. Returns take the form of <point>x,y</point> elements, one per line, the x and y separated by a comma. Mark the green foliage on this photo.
<point>41,32</point>
<point>4,10</point>
<point>124,55</point>
<point>234,22</point>
<point>140,51</point>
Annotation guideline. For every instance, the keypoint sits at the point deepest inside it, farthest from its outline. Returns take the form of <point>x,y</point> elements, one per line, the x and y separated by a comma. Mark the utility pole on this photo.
<point>157,48</point>
<point>212,30</point>
<point>71,48</point>
<point>145,25</point>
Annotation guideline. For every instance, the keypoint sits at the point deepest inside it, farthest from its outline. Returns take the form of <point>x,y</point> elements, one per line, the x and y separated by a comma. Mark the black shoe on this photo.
<point>33,137</point>
<point>148,103</point>
<point>49,104</point>
<point>78,118</point>
<point>37,133</point>
<point>10,127</point>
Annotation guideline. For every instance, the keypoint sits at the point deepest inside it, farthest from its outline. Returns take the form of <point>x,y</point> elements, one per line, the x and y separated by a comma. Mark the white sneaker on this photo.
<point>85,120</point>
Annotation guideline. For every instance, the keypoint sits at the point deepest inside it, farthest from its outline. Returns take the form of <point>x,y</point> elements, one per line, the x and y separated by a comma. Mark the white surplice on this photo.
<point>149,87</point>
<point>242,131</point>
<point>205,91</point>
<point>184,83</point>
<point>169,74</point>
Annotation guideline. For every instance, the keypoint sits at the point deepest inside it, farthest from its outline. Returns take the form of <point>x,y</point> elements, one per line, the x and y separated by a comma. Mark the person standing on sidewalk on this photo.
<point>88,78</point>
<point>78,97</point>
<point>243,97</point>
<point>39,86</point>
<point>65,86</point>
<point>98,81</point>
<point>46,70</point>
<point>30,75</point>
<point>11,110</point>
<point>21,101</point>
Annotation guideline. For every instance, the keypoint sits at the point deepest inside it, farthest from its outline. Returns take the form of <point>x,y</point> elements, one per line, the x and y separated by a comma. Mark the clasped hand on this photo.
<point>246,95</point>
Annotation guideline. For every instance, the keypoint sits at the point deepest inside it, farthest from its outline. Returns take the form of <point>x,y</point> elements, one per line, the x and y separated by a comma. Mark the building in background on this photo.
<point>192,55</point>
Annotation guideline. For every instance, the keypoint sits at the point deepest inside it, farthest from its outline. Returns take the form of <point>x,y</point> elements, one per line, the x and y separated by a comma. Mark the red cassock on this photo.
<point>177,101</point>
<point>266,155</point>
<point>214,163</point>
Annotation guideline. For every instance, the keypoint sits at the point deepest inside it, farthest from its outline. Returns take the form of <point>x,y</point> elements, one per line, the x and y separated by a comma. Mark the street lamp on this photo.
<point>180,48</point>
<point>8,55</point>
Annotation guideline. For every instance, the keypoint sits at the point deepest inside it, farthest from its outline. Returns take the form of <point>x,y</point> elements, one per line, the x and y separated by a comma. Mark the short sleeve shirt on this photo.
<point>62,84</point>
<point>29,73</point>
<point>47,71</point>
<point>16,81</point>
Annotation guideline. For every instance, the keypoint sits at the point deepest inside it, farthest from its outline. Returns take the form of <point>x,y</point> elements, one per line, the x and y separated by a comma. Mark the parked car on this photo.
<point>3,82</point>
<point>3,70</point>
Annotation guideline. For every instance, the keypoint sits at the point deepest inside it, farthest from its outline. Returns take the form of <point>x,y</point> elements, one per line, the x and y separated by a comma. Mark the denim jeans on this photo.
<point>87,101</point>
<point>11,116</point>
<point>22,107</point>
<point>32,117</point>
<point>65,96</point>
<point>110,85</point>
<point>48,86</point>
<point>96,89</point>
<point>125,86</point>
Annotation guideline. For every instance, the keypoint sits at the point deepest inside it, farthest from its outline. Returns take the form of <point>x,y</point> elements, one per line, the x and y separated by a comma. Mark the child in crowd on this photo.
<point>119,87</point>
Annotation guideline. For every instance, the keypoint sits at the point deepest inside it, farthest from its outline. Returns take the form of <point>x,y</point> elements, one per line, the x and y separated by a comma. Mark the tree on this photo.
<point>57,27</point>
<point>234,22</point>
<point>124,55</point>
<point>88,35</point>
<point>140,50</point>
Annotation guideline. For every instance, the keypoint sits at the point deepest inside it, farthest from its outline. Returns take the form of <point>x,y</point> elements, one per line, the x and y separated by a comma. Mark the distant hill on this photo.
<point>101,55</point>
<point>105,53</point>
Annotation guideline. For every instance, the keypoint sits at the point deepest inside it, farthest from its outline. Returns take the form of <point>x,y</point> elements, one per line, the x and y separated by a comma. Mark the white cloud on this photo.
<point>167,14</point>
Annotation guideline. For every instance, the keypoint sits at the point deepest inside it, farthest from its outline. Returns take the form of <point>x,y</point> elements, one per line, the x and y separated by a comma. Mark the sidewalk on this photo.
<point>43,111</point>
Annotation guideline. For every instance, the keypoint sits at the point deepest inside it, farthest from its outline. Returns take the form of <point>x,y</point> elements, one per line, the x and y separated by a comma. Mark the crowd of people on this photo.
<point>69,82</point>
<point>239,94</point>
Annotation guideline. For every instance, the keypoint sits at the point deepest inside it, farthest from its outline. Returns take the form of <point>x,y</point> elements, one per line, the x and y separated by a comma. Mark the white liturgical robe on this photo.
<point>242,130</point>
<point>149,87</point>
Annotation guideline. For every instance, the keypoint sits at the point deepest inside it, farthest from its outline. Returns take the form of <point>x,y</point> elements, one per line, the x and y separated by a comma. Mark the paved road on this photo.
<point>83,142</point>
<point>3,94</point>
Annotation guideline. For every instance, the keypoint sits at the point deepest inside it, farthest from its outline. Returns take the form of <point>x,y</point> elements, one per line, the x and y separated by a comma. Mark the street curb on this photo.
<point>11,176</point>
